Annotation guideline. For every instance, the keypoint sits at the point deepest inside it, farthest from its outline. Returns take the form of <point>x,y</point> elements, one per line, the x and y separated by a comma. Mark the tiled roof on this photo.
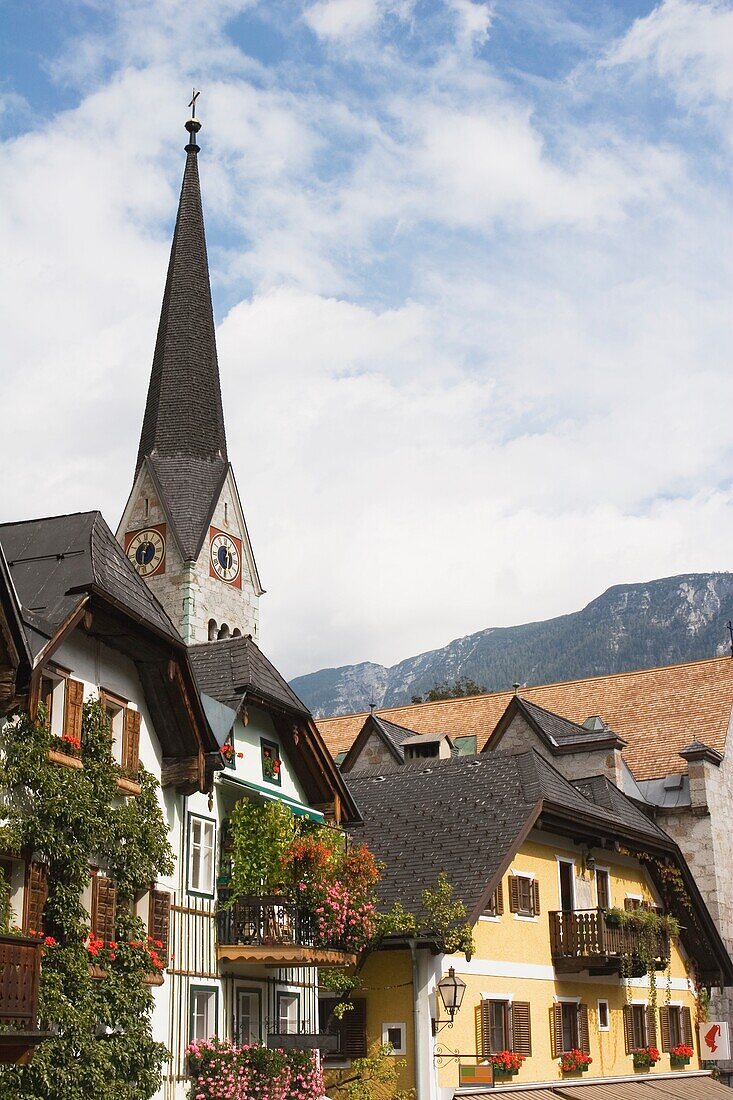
<point>53,562</point>
<point>561,730</point>
<point>657,711</point>
<point>183,427</point>
<point>461,815</point>
<point>229,669</point>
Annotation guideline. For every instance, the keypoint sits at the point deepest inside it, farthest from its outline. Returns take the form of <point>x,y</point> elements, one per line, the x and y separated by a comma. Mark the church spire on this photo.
<point>183,434</point>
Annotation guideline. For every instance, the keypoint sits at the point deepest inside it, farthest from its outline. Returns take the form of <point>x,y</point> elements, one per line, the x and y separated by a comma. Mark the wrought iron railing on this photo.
<point>20,965</point>
<point>588,934</point>
<point>268,920</point>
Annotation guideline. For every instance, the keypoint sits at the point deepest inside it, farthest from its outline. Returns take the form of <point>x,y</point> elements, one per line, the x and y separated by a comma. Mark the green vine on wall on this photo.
<point>648,944</point>
<point>71,819</point>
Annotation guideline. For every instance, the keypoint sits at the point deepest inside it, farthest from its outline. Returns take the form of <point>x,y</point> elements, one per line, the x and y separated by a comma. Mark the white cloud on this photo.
<point>483,372</point>
<point>342,19</point>
<point>473,19</point>
<point>688,42</point>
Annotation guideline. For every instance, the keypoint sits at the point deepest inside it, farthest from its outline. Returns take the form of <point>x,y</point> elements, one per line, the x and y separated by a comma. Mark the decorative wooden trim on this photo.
<point>285,955</point>
<point>64,760</point>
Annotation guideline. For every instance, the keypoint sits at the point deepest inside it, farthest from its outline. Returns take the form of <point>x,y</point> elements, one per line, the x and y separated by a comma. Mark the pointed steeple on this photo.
<point>183,434</point>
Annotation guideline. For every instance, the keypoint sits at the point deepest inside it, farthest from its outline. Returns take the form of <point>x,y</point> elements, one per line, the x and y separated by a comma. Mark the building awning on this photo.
<point>297,808</point>
<point>686,1086</point>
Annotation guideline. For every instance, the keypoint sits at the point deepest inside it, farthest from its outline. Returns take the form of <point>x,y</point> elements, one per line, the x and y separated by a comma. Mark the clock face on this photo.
<point>146,551</point>
<point>225,558</point>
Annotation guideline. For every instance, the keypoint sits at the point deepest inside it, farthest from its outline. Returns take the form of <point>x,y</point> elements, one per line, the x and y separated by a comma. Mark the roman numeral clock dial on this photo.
<point>146,550</point>
<point>225,558</point>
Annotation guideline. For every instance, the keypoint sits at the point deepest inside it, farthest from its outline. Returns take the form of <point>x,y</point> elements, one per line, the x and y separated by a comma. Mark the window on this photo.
<point>570,1038</point>
<point>505,1025</point>
<point>351,1030</point>
<point>495,904</point>
<point>569,1028</point>
<point>204,1006</point>
<point>639,1029</point>
<point>114,708</point>
<point>633,902</point>
<point>394,1034</point>
<point>288,1013</point>
<point>676,1024</point>
<point>566,872</point>
<point>248,1026</point>
<point>603,888</point>
<point>201,836</point>
<point>465,746</point>
<point>603,1018</point>
<point>524,895</point>
<point>271,762</point>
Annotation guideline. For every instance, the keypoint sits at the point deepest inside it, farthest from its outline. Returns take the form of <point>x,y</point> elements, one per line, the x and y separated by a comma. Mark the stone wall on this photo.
<point>520,737</point>
<point>373,754</point>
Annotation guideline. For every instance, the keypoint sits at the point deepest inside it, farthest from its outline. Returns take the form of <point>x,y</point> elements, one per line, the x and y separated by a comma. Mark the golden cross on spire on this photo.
<point>192,104</point>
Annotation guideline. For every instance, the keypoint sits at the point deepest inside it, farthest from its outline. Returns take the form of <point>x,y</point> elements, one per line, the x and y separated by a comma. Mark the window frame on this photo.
<point>675,1009</point>
<point>570,862</point>
<point>280,996</point>
<point>400,1050</point>
<point>607,1025</point>
<point>639,1010</point>
<point>607,872</point>
<point>57,677</point>
<point>111,699</point>
<point>249,991</point>
<point>574,1022</point>
<point>195,890</point>
<point>528,879</point>
<point>211,991</point>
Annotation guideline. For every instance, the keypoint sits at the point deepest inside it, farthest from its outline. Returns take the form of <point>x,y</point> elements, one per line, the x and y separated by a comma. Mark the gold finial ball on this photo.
<point>193,125</point>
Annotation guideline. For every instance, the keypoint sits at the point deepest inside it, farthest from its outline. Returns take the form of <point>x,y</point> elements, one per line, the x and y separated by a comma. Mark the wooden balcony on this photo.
<point>20,971</point>
<point>582,939</point>
<point>272,931</point>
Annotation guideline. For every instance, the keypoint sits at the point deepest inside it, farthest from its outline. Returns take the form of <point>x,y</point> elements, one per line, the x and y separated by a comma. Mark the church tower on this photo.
<point>183,527</point>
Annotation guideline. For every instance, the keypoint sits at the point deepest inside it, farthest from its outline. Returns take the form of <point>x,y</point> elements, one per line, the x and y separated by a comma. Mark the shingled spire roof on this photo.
<point>183,434</point>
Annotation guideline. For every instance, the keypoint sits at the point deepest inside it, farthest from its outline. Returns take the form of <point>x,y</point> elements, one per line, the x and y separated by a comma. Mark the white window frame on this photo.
<point>211,993</point>
<point>58,699</point>
<point>114,702</point>
<point>255,992</point>
<point>525,916</point>
<point>564,859</point>
<point>610,885</point>
<point>204,890</point>
<point>402,1048</point>
<point>293,999</point>
<point>607,1025</point>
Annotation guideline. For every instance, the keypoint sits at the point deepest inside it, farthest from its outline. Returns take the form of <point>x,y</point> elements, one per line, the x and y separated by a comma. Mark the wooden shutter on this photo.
<point>535,897</point>
<point>664,1027</point>
<point>353,1030</point>
<point>131,741</point>
<point>521,1035</point>
<point>73,707</point>
<point>556,1030</point>
<point>159,915</point>
<point>583,1032</point>
<point>651,1028</point>
<point>513,894</point>
<point>499,899</point>
<point>628,1029</point>
<point>688,1035</point>
<point>103,908</point>
<point>485,1028</point>
<point>36,892</point>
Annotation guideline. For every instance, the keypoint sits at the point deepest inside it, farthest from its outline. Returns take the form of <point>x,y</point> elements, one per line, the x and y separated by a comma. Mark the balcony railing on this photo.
<point>584,939</point>
<point>20,966</point>
<point>271,922</point>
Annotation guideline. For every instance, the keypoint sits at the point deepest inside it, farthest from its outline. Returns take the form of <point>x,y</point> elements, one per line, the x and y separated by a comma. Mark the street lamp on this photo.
<point>451,991</point>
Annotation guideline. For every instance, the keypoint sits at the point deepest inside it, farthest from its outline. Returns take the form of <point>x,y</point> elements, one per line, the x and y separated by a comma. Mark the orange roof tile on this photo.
<point>657,710</point>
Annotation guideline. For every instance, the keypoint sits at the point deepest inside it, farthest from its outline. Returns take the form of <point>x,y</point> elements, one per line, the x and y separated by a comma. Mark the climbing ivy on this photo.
<point>72,818</point>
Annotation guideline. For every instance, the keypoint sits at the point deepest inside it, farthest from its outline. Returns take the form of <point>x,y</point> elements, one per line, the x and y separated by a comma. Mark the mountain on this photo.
<point>630,626</point>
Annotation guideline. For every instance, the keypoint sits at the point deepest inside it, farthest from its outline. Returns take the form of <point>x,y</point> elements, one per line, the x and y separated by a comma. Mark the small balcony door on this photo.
<point>567,885</point>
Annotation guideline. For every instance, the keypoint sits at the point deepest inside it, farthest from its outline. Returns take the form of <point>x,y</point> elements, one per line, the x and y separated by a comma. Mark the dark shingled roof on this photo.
<point>229,669</point>
<point>183,428</point>
<point>600,790</point>
<point>54,562</point>
<point>397,735</point>
<point>561,730</point>
<point>463,815</point>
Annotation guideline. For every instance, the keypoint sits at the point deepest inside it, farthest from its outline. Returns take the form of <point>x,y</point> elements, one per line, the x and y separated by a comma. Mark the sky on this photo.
<point>472,268</point>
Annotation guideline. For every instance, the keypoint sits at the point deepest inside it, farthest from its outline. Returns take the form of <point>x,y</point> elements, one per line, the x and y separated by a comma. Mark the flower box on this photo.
<point>645,1057</point>
<point>506,1063</point>
<point>679,1060</point>
<point>64,759</point>
<point>575,1061</point>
